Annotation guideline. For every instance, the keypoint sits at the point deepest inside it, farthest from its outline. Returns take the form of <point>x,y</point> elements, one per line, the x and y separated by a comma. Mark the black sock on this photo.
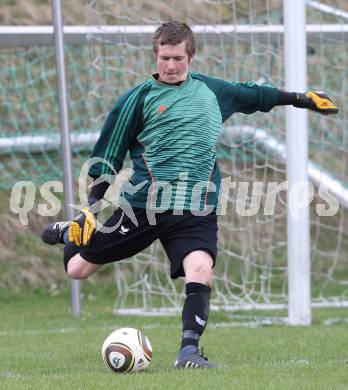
<point>195,313</point>
<point>65,236</point>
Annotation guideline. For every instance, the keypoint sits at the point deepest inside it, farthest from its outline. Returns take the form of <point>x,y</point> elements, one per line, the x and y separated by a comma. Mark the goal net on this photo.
<point>251,268</point>
<point>236,41</point>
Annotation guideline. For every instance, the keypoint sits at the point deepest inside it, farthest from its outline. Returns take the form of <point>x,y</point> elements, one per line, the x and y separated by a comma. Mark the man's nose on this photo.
<point>171,64</point>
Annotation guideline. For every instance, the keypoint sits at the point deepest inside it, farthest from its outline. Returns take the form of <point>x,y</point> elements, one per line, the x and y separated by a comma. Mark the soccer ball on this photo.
<point>127,350</point>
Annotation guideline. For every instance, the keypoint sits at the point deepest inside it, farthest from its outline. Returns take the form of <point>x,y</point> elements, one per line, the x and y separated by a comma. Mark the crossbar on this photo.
<point>13,36</point>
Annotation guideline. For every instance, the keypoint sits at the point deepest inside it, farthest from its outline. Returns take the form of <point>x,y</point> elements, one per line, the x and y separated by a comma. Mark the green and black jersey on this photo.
<point>171,133</point>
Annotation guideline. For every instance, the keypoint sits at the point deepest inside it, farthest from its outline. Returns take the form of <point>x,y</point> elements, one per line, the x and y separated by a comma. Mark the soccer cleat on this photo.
<point>54,232</point>
<point>190,358</point>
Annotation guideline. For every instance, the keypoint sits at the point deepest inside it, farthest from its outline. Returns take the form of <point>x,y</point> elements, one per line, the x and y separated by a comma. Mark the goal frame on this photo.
<point>296,35</point>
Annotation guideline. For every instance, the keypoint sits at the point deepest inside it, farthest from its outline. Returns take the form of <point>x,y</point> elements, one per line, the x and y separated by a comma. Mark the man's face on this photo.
<point>172,63</point>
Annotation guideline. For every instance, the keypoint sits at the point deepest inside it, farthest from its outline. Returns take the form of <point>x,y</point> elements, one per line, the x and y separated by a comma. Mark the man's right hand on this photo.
<point>82,228</point>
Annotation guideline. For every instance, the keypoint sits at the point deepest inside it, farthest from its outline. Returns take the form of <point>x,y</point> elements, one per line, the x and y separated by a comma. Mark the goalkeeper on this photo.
<point>170,125</point>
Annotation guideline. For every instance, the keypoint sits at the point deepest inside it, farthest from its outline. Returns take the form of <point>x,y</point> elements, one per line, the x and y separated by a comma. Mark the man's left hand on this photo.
<point>317,101</point>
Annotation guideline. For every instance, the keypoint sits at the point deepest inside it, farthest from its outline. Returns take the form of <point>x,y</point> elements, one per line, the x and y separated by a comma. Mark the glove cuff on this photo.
<point>94,205</point>
<point>98,190</point>
<point>303,101</point>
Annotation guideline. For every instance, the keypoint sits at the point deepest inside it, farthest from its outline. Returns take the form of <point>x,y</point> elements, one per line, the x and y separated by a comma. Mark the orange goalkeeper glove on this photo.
<point>317,101</point>
<point>82,228</point>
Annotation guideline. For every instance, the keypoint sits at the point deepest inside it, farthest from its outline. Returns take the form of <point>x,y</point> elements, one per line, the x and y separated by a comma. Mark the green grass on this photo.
<point>41,346</point>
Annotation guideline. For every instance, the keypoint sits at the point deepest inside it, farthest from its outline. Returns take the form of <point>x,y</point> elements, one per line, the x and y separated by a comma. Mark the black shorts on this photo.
<point>179,235</point>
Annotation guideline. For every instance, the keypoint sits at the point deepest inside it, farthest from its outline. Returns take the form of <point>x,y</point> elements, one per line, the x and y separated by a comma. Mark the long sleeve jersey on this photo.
<point>171,133</point>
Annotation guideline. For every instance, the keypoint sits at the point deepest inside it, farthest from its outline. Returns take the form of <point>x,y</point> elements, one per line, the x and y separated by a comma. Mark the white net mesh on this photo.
<point>251,267</point>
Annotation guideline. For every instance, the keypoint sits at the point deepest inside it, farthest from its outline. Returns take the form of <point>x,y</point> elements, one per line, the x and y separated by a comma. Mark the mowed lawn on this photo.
<point>42,347</point>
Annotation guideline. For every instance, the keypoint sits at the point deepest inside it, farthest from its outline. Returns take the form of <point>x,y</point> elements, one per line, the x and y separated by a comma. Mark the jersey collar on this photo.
<point>155,76</point>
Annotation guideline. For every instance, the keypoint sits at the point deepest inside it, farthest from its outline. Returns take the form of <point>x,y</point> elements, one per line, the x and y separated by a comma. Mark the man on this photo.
<point>170,124</point>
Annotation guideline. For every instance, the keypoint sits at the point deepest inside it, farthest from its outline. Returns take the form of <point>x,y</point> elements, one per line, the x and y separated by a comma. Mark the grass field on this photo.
<point>42,347</point>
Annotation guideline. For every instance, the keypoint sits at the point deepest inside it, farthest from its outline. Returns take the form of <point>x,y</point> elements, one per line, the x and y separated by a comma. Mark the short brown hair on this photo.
<point>173,33</point>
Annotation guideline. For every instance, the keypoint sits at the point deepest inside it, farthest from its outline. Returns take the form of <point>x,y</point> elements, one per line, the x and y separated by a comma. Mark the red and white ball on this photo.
<point>127,350</point>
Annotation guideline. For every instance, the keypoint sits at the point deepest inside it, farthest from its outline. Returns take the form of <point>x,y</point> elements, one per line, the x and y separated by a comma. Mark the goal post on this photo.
<point>65,136</point>
<point>298,245</point>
